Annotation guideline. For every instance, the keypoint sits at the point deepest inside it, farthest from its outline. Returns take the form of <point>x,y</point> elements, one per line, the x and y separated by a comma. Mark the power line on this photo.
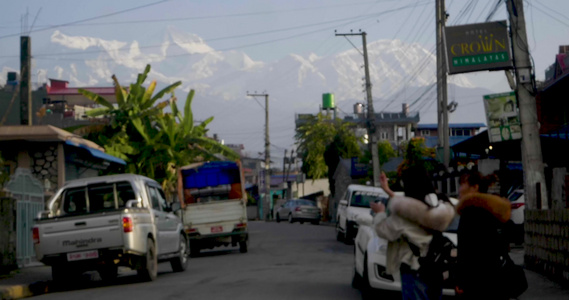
<point>88,19</point>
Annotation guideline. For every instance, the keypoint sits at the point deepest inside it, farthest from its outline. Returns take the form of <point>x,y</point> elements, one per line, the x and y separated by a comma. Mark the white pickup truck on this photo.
<point>102,223</point>
<point>214,205</point>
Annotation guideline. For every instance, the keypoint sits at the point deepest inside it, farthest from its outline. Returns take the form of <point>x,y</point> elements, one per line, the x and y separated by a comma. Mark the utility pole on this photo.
<point>532,159</point>
<point>442,98</point>
<point>288,183</point>
<point>370,122</point>
<point>268,200</point>
<point>25,81</point>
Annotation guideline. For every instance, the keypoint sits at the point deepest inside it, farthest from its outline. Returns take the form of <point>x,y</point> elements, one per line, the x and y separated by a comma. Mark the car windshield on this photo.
<point>305,202</point>
<point>362,199</point>
<point>515,196</point>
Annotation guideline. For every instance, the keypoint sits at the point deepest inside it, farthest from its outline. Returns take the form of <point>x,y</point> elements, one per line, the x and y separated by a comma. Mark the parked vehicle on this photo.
<point>102,223</point>
<point>370,260</point>
<point>516,223</point>
<point>355,202</point>
<point>214,205</point>
<point>300,210</point>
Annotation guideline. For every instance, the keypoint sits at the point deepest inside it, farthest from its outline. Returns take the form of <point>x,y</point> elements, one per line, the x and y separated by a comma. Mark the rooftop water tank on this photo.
<point>328,101</point>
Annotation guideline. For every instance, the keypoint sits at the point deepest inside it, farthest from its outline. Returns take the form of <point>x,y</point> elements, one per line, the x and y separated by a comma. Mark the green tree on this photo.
<point>152,142</point>
<point>321,141</point>
<point>385,152</point>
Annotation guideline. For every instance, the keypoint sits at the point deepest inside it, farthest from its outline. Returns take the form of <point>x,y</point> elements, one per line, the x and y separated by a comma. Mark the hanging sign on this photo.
<point>478,47</point>
<point>503,117</point>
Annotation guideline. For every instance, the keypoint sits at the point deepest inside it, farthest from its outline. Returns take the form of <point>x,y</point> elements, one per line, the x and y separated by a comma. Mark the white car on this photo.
<point>353,204</point>
<point>517,201</point>
<point>370,260</point>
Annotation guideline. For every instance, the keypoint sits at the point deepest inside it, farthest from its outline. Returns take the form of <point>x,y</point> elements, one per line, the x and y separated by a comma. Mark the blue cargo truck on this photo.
<point>214,205</point>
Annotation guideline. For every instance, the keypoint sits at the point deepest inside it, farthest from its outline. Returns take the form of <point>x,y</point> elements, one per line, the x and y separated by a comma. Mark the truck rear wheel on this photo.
<point>149,268</point>
<point>180,262</point>
<point>243,246</point>
<point>194,248</point>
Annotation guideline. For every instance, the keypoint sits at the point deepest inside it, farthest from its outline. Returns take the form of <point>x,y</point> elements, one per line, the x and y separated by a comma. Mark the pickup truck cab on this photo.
<point>214,205</point>
<point>102,223</point>
<point>355,202</point>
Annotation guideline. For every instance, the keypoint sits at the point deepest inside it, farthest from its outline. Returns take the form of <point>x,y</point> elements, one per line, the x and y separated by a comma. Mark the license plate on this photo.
<point>82,255</point>
<point>216,229</point>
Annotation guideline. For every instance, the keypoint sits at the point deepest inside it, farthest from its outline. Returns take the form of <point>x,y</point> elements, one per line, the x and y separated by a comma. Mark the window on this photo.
<point>95,198</point>
<point>459,132</point>
<point>162,199</point>
<point>362,199</point>
<point>74,201</point>
<point>384,135</point>
<point>154,199</point>
<point>425,133</point>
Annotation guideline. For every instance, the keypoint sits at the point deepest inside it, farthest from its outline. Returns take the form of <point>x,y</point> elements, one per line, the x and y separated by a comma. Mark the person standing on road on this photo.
<point>480,239</point>
<point>408,220</point>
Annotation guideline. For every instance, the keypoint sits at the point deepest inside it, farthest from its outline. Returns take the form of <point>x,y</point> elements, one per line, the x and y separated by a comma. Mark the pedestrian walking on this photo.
<point>481,242</point>
<point>407,222</point>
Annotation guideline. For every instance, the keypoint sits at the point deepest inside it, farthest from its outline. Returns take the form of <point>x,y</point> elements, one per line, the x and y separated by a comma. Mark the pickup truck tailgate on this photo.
<point>215,212</point>
<point>81,233</point>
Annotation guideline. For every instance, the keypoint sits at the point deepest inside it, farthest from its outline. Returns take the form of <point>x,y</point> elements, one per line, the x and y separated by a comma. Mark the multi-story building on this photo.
<point>458,132</point>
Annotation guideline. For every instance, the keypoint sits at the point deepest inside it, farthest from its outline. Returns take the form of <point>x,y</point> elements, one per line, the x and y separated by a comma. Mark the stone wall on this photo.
<point>44,164</point>
<point>8,257</point>
<point>547,243</point>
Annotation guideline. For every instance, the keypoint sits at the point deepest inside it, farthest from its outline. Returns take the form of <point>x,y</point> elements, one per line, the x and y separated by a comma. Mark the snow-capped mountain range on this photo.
<point>222,79</point>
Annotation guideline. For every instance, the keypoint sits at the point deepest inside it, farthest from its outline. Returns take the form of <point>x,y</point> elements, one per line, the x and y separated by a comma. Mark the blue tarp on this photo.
<point>211,174</point>
<point>97,153</point>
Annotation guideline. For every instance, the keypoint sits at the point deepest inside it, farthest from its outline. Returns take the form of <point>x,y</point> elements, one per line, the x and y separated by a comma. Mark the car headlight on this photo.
<point>378,247</point>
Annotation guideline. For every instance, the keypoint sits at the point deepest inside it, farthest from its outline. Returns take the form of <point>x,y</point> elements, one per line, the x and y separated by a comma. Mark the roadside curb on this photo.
<point>19,291</point>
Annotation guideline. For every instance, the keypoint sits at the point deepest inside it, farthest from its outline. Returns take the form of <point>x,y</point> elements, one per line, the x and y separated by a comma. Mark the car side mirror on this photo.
<point>176,206</point>
<point>344,202</point>
<point>133,203</point>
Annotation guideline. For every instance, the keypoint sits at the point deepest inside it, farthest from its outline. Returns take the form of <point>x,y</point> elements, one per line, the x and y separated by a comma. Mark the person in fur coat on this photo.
<point>480,239</point>
<point>408,219</point>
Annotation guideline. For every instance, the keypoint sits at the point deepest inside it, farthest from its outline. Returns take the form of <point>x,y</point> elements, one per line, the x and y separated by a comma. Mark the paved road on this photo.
<point>285,261</point>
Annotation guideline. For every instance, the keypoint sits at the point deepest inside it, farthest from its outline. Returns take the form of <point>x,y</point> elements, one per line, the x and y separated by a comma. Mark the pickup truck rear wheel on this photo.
<point>180,262</point>
<point>278,218</point>
<point>149,268</point>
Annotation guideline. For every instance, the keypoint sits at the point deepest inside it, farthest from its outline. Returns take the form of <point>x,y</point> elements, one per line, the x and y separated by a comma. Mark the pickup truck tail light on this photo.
<point>127,224</point>
<point>241,225</point>
<point>297,208</point>
<point>36,235</point>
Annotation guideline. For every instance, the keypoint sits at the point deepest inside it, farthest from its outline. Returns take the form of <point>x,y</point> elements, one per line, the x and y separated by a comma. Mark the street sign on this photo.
<point>503,117</point>
<point>477,47</point>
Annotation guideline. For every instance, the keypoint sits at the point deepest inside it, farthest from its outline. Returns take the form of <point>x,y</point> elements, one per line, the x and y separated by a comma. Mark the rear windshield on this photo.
<point>305,202</point>
<point>362,199</point>
<point>95,198</point>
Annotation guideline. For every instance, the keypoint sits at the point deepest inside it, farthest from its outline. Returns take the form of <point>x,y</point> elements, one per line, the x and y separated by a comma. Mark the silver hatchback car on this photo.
<point>300,210</point>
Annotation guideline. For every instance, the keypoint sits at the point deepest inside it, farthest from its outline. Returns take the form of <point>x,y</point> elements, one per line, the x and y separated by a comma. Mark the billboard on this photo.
<point>503,117</point>
<point>478,47</point>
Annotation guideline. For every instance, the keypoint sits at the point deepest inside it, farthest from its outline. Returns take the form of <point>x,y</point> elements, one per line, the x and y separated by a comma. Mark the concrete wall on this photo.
<point>311,187</point>
<point>547,243</point>
<point>8,260</point>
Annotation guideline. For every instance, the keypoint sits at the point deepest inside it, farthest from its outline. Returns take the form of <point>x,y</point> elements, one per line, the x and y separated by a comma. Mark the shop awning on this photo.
<point>97,153</point>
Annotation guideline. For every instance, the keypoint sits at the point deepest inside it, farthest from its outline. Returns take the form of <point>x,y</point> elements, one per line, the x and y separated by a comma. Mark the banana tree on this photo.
<point>153,142</point>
